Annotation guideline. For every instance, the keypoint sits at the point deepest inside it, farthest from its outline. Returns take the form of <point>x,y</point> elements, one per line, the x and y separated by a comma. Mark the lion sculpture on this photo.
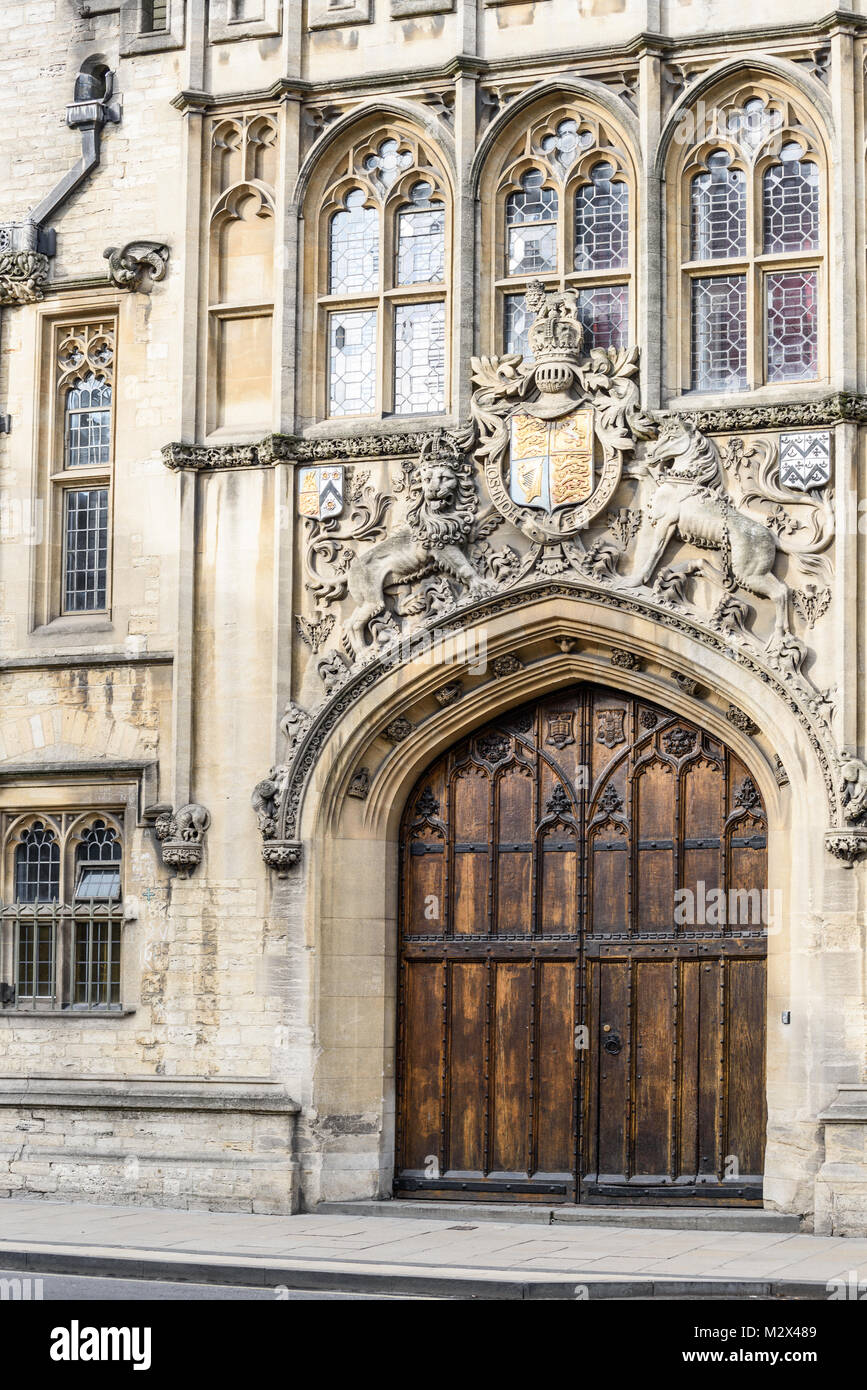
<point>440,519</point>
<point>683,494</point>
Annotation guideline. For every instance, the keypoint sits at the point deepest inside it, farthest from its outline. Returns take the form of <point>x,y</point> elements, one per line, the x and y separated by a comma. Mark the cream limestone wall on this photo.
<point>252,1066</point>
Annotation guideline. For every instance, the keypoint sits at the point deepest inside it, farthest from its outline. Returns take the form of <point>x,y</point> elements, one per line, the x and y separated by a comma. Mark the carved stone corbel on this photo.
<point>23,277</point>
<point>181,835</point>
<point>846,845</point>
<point>137,266</point>
<point>281,855</point>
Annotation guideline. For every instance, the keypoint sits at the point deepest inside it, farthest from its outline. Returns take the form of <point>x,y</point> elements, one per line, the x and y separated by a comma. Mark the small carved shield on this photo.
<point>609,727</point>
<point>320,492</point>
<point>560,728</point>
<point>805,459</point>
<point>551,462</point>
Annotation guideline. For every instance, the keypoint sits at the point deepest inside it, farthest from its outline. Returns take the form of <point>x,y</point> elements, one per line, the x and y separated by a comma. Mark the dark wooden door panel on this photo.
<point>582,990</point>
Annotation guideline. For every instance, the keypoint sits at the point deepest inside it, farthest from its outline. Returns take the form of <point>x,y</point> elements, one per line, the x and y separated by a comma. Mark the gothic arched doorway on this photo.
<point>582,962</point>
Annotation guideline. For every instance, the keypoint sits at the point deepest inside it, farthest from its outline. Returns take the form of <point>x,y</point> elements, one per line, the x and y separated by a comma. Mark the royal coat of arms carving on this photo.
<point>553,432</point>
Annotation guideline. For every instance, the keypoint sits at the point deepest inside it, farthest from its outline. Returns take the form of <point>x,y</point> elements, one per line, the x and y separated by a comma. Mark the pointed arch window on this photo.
<point>61,930</point>
<point>753,268</point>
<point>382,296</point>
<point>37,866</point>
<point>98,865</point>
<point>562,213</point>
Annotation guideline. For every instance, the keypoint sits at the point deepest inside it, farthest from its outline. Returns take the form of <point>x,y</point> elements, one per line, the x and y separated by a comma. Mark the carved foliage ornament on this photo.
<point>23,277</point>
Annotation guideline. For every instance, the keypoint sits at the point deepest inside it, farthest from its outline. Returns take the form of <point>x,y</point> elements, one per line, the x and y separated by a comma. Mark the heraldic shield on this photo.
<point>551,461</point>
<point>320,492</point>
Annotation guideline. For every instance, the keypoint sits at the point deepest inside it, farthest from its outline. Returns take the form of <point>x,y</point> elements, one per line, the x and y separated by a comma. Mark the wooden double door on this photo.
<point>582,962</point>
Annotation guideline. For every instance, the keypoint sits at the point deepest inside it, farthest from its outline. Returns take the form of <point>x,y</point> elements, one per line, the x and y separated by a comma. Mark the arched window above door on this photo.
<point>747,211</point>
<point>379,292</point>
<point>558,205</point>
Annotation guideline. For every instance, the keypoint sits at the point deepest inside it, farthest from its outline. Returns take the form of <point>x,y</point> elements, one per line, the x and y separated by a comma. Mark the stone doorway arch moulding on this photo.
<point>358,757</point>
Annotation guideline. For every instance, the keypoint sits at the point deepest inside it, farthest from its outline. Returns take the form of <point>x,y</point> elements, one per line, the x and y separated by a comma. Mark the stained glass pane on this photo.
<point>531,224</point>
<point>604,315</point>
<point>601,222</point>
<point>86,549</point>
<point>791,203</point>
<point>516,321</point>
<point>88,423</point>
<point>352,363</point>
<point>719,211</point>
<point>353,263</point>
<point>421,240</point>
<point>37,866</point>
<point>419,359</point>
<point>719,333</point>
<point>792,336</point>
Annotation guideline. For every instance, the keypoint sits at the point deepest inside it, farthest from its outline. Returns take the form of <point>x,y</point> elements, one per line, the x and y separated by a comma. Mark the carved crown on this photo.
<point>555,335</point>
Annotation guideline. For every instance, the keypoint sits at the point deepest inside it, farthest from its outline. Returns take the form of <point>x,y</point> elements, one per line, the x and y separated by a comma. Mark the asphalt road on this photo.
<point>70,1288</point>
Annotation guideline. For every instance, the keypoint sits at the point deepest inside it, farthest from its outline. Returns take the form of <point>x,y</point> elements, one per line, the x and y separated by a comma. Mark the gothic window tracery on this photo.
<point>61,915</point>
<point>752,268</point>
<point>81,472</point>
<point>381,295</point>
<point>560,194</point>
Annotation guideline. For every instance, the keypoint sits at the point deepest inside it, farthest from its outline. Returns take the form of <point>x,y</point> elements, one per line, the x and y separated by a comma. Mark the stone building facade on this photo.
<point>374,374</point>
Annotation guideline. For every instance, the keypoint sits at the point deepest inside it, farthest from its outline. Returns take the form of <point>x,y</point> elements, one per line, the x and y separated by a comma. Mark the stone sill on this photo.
<point>87,657</point>
<point>127,1093</point>
<point>38,1014</point>
<point>777,394</point>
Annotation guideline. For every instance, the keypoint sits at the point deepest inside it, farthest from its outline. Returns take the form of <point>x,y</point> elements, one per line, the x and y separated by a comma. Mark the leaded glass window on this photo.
<point>516,322</point>
<point>62,948</point>
<point>791,325</point>
<point>753,209</point>
<point>531,223</point>
<point>421,239</point>
<point>37,866</point>
<point>353,259</point>
<point>791,203</point>
<point>719,333</point>
<point>382,285</point>
<point>419,359</point>
<point>86,549</point>
<point>719,211</point>
<point>604,315</point>
<point>602,222</point>
<point>88,423</point>
<point>352,362</point>
<point>98,865</point>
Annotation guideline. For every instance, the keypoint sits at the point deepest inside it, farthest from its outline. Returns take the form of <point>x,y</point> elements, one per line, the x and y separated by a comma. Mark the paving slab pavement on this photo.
<point>464,1258</point>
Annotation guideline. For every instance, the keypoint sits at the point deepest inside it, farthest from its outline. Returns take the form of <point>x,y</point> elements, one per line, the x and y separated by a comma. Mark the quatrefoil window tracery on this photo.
<point>388,163</point>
